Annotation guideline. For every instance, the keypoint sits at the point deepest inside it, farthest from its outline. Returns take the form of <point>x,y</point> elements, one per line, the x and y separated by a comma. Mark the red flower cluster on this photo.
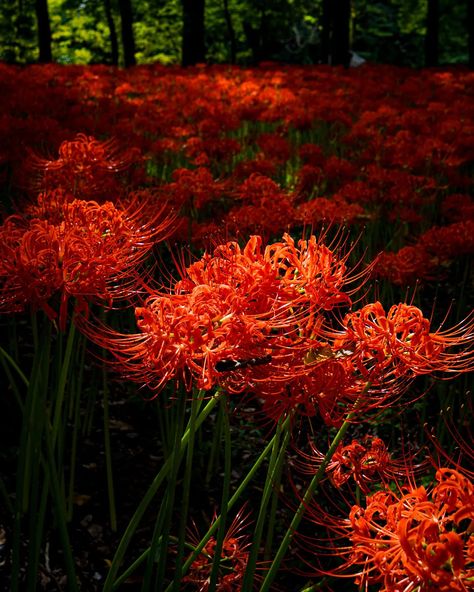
<point>417,540</point>
<point>63,247</point>
<point>367,461</point>
<point>236,305</point>
<point>86,167</point>
<point>233,560</point>
<point>399,343</point>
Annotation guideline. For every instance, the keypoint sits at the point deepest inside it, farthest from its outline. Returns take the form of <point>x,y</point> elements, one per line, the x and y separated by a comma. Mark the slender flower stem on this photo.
<point>196,402</point>
<point>215,525</point>
<point>273,468</point>
<point>108,454</point>
<point>159,549</point>
<point>213,578</point>
<point>271,574</point>
<point>148,497</point>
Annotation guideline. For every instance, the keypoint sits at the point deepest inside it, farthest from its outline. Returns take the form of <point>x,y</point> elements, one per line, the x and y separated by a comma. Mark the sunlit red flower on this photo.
<point>75,249</point>
<point>315,389</point>
<point>400,343</point>
<point>367,461</point>
<point>418,540</point>
<point>233,559</point>
<point>414,539</point>
<point>235,305</point>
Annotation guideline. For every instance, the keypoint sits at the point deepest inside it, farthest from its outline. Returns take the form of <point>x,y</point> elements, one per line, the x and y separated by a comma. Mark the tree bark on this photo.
<point>340,41</point>
<point>326,21</point>
<point>44,31</point>
<point>128,40</point>
<point>193,48</point>
<point>470,32</point>
<point>114,54</point>
<point>230,32</point>
<point>432,34</point>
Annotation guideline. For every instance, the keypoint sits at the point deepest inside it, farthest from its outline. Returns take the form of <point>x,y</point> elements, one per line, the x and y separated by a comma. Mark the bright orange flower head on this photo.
<point>77,248</point>
<point>400,343</point>
<point>418,541</point>
<point>238,309</point>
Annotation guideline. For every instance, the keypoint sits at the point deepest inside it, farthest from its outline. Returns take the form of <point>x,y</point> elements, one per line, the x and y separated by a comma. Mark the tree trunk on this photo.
<point>230,32</point>
<point>112,33</point>
<point>340,41</point>
<point>432,34</point>
<point>193,47</point>
<point>470,27</point>
<point>128,40</point>
<point>44,31</point>
<point>326,20</point>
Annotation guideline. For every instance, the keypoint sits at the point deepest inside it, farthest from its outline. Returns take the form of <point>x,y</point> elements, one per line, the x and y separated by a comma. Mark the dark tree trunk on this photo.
<point>470,34</point>
<point>230,32</point>
<point>44,31</point>
<point>326,31</point>
<point>432,34</point>
<point>194,50</point>
<point>340,41</point>
<point>112,33</point>
<point>128,40</point>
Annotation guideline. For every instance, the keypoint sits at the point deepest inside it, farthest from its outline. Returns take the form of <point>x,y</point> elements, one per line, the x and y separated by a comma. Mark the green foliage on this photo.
<point>390,31</point>
<point>18,32</point>
<point>157,30</point>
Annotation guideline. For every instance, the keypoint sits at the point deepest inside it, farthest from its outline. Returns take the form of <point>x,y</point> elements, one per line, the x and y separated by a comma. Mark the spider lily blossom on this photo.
<point>234,305</point>
<point>73,249</point>
<point>367,461</point>
<point>400,343</point>
<point>414,539</point>
<point>233,560</point>
<point>85,167</point>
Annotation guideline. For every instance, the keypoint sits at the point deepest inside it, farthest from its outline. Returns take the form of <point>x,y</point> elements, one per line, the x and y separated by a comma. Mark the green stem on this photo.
<point>60,512</point>
<point>213,578</point>
<point>270,576</point>
<point>15,366</point>
<point>62,383</point>
<point>275,462</point>
<point>108,454</point>
<point>139,560</point>
<point>196,402</point>
<point>148,497</point>
<point>160,540</point>
<point>214,526</point>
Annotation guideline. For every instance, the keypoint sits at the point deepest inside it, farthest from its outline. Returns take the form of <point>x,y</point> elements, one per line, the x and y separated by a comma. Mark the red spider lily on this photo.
<point>415,540</point>
<point>318,388</point>
<point>233,560</point>
<point>322,209</point>
<point>233,306</point>
<point>408,265</point>
<point>450,241</point>
<point>77,248</point>
<point>400,343</point>
<point>366,461</point>
<point>193,188</point>
<point>85,167</point>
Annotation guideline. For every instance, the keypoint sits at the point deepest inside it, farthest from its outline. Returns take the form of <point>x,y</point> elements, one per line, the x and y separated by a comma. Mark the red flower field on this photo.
<point>237,328</point>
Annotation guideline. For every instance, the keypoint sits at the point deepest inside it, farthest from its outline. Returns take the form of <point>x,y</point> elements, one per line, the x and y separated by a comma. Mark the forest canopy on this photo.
<point>236,31</point>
